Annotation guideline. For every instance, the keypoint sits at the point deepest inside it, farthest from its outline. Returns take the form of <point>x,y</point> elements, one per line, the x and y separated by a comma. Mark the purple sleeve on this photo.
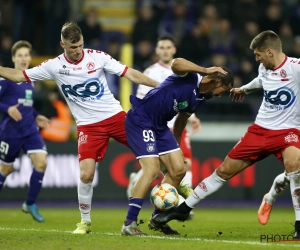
<point>3,107</point>
<point>35,114</point>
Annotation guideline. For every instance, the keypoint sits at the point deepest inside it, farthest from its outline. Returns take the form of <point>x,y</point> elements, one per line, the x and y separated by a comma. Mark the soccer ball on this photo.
<point>164,196</point>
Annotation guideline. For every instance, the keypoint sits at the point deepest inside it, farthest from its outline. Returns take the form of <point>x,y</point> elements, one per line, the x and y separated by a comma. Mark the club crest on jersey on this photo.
<point>150,147</point>
<point>291,137</point>
<point>90,65</point>
<point>283,73</point>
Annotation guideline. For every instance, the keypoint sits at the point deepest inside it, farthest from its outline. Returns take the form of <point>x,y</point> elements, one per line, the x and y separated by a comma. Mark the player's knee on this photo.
<point>86,177</point>
<point>291,165</point>
<point>41,165</point>
<point>224,173</point>
<point>178,173</point>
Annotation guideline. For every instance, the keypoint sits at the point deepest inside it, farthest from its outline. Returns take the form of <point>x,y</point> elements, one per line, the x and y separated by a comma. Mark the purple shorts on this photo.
<point>146,142</point>
<point>10,147</point>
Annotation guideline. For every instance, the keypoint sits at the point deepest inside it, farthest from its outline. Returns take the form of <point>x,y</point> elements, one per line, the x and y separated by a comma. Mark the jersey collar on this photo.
<point>77,62</point>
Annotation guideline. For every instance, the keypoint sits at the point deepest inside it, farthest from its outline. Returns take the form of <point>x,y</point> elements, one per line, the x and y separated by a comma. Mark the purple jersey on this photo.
<point>12,94</point>
<point>175,94</point>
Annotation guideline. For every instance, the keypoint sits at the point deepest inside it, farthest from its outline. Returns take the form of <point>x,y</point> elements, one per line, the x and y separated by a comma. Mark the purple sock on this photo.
<point>35,186</point>
<point>135,205</point>
<point>2,180</point>
<point>155,212</point>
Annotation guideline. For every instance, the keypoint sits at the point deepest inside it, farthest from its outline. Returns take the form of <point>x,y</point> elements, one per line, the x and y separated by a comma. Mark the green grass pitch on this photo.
<point>211,228</point>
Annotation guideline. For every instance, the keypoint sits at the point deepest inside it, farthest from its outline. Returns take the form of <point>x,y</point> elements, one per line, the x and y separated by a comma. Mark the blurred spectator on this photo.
<point>113,49</point>
<point>271,19</point>
<point>248,10</point>
<point>296,48</point>
<point>247,72</point>
<point>91,29</point>
<point>41,102</point>
<point>143,55</point>
<point>294,20</point>
<point>60,125</point>
<point>222,41</point>
<point>210,19</point>
<point>249,31</point>
<point>287,38</point>
<point>5,51</point>
<point>145,27</point>
<point>194,45</point>
<point>56,16</point>
<point>177,22</point>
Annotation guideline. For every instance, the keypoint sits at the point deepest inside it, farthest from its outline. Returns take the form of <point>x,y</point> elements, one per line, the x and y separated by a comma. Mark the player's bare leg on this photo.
<point>291,160</point>
<point>228,169</point>
<point>85,195</point>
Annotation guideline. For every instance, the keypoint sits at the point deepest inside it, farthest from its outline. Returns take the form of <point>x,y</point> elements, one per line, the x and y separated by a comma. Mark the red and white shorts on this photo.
<point>258,143</point>
<point>93,138</point>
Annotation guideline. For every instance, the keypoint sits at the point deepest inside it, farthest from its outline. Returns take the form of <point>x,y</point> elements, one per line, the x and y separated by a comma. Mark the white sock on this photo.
<point>281,182</point>
<point>138,175</point>
<point>85,194</point>
<point>187,179</point>
<point>295,192</point>
<point>205,188</point>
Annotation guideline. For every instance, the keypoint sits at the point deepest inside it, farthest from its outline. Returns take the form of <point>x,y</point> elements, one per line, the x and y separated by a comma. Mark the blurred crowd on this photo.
<point>207,32</point>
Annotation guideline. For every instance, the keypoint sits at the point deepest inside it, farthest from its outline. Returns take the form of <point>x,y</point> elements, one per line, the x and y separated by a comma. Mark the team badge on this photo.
<point>202,186</point>
<point>90,65</point>
<point>291,137</point>
<point>150,147</point>
<point>283,73</point>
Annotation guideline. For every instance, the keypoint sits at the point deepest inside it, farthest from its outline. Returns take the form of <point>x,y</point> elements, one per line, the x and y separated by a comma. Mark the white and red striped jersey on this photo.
<point>280,108</point>
<point>157,72</point>
<point>83,83</point>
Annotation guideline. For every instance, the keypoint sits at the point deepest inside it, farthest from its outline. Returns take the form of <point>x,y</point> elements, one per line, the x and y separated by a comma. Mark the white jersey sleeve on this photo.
<point>83,84</point>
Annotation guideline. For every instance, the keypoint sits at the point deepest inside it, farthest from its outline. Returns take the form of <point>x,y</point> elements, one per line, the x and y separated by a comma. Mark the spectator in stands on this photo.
<point>287,38</point>
<point>250,30</point>
<point>271,19</point>
<point>91,29</point>
<point>178,22</point>
<point>145,27</point>
<point>60,125</point>
<point>113,48</point>
<point>143,55</point>
<point>194,45</point>
<point>5,51</point>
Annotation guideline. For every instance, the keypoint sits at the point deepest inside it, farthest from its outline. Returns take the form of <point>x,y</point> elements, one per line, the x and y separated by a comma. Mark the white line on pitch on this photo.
<point>291,244</point>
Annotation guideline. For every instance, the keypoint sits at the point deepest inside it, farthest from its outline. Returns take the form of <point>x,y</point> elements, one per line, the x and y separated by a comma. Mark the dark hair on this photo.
<point>226,79</point>
<point>71,31</point>
<point>266,39</point>
<point>20,44</point>
<point>166,37</point>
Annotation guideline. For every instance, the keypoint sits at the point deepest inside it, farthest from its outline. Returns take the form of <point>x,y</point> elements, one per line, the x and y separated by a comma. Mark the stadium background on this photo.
<point>212,33</point>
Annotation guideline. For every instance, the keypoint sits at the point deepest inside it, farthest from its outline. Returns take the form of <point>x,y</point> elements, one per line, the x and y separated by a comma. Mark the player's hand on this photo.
<point>14,113</point>
<point>195,124</point>
<point>212,70</point>
<point>42,121</point>
<point>236,94</point>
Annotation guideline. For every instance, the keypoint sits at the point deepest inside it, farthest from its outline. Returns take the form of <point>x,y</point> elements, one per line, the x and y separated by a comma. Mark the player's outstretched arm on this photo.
<point>139,78</point>
<point>14,75</point>
<point>237,94</point>
<point>181,66</point>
